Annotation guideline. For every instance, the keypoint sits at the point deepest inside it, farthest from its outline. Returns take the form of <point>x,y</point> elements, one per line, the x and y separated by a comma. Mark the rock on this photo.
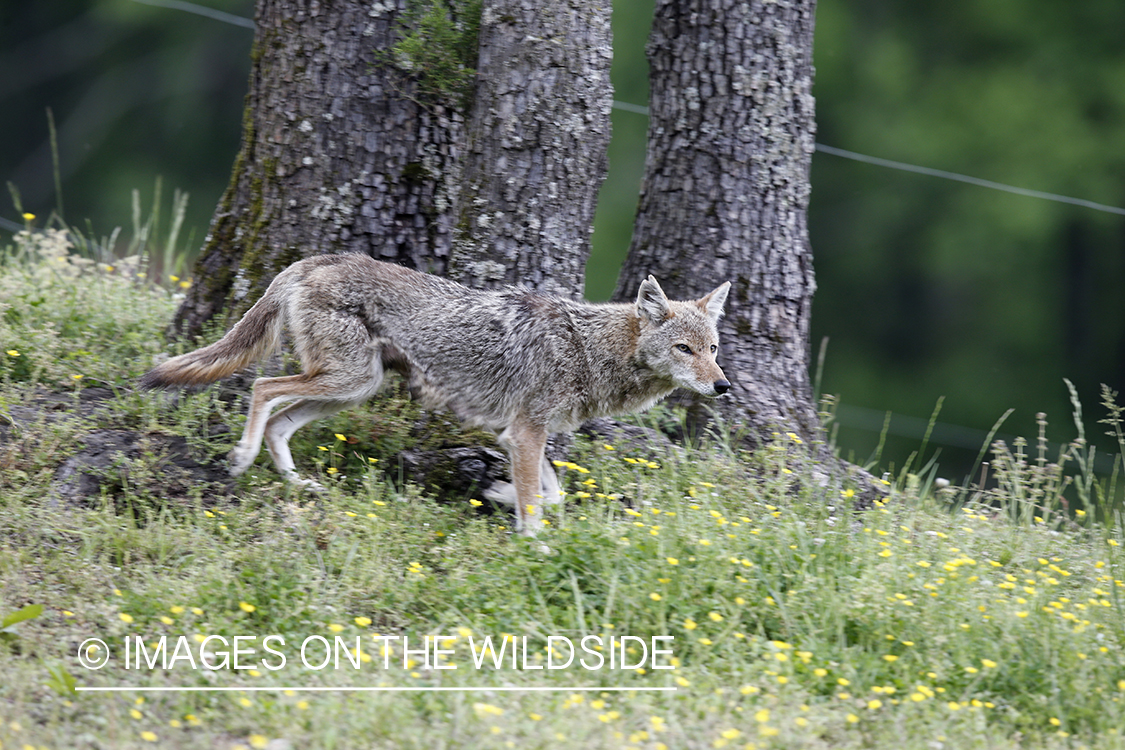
<point>630,439</point>
<point>454,472</point>
<point>109,459</point>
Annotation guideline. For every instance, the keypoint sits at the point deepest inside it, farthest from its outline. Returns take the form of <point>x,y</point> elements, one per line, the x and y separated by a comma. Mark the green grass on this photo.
<point>938,619</point>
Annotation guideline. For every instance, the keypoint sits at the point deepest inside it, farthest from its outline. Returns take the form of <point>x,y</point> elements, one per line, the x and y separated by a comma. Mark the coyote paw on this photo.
<point>240,459</point>
<point>503,493</point>
<point>309,485</point>
<point>538,546</point>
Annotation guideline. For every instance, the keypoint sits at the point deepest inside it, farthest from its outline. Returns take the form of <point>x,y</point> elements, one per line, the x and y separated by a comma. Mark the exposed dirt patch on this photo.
<point>109,458</point>
<point>50,406</point>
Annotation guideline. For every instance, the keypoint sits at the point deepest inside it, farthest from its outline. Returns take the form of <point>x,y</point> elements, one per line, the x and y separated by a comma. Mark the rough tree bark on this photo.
<point>536,138</point>
<point>342,152</point>
<point>726,190</point>
<point>334,157</point>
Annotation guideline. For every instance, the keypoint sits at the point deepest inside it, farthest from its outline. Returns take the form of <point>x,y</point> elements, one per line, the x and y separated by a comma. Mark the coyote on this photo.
<point>513,361</point>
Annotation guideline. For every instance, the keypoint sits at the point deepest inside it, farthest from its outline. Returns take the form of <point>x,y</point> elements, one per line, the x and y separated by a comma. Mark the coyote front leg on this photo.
<point>505,492</point>
<point>526,451</point>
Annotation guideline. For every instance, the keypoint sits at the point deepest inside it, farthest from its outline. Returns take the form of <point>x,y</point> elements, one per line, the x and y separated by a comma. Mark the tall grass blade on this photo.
<point>984,448</point>
<point>57,172</point>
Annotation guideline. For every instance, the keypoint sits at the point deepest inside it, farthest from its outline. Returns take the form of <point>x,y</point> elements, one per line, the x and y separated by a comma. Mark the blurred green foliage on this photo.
<point>137,91</point>
<point>926,288</point>
<point>617,204</point>
<point>929,287</point>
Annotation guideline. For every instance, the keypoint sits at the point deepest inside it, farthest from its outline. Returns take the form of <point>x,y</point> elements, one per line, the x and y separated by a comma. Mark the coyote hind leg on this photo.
<point>317,396</point>
<point>342,366</point>
<point>267,393</point>
<point>281,426</point>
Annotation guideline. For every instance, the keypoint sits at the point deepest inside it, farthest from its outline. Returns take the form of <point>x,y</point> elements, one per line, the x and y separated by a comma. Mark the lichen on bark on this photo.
<point>342,152</point>
<point>337,155</point>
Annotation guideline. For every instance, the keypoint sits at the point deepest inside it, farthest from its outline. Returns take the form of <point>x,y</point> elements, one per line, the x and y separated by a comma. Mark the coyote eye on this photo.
<point>714,348</point>
<point>684,348</point>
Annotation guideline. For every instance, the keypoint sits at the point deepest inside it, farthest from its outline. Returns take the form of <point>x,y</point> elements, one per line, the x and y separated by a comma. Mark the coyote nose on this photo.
<point>721,387</point>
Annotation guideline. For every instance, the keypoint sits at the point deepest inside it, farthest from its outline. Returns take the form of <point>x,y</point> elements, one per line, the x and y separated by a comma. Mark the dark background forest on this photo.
<point>927,288</point>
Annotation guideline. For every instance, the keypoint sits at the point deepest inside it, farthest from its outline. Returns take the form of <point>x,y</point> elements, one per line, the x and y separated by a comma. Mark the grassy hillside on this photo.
<point>951,618</point>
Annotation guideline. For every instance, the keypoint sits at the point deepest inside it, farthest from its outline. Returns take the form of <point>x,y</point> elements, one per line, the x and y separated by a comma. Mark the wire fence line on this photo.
<point>930,172</point>
<point>639,109</point>
<point>201,10</point>
<point>10,225</point>
<point>944,433</point>
<point>852,416</point>
<point>967,179</point>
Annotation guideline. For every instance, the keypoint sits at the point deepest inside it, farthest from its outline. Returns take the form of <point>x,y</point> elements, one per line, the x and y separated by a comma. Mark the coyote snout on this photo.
<point>519,363</point>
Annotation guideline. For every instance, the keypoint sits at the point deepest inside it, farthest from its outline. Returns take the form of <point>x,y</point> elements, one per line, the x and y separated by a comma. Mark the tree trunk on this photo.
<point>726,190</point>
<point>351,145</point>
<point>337,155</point>
<point>537,139</point>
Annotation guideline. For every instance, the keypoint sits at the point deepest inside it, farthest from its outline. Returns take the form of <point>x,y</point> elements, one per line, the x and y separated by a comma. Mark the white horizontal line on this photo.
<point>877,161</point>
<point>642,110</point>
<point>126,688</point>
<point>202,10</point>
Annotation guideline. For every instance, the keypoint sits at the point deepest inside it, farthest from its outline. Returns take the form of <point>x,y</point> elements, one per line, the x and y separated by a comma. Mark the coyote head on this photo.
<point>679,340</point>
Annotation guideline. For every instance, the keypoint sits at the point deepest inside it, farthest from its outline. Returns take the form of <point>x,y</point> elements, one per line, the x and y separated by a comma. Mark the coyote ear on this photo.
<point>651,302</point>
<point>713,303</point>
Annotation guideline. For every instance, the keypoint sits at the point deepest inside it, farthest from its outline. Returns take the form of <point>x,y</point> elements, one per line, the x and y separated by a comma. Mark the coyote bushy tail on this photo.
<point>251,339</point>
